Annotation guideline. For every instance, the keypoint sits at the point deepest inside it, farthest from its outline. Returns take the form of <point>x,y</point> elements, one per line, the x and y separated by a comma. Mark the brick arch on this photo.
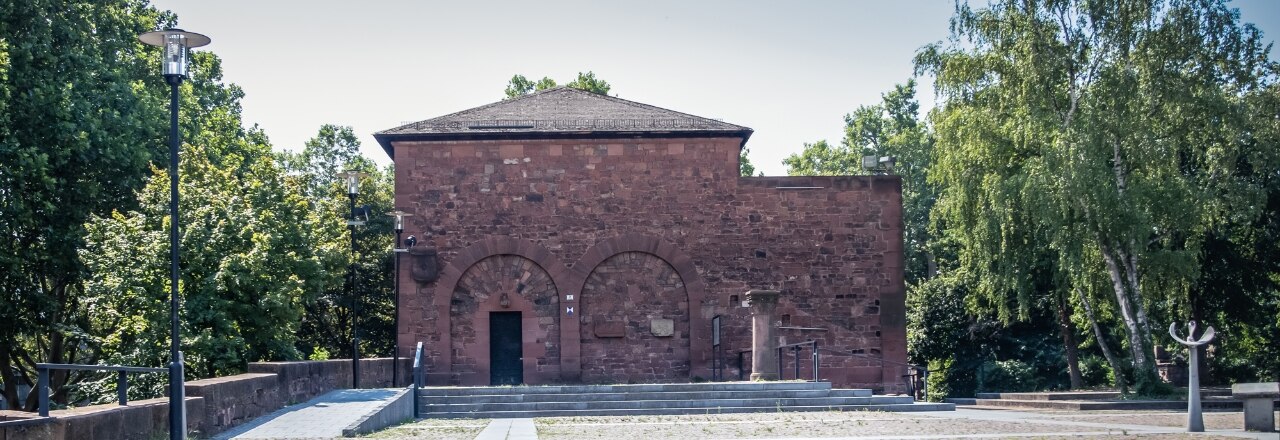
<point>699,324</point>
<point>469,256</point>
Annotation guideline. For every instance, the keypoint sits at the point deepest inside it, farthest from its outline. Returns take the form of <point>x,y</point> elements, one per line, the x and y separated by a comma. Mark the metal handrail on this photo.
<point>922,371</point>
<point>122,380</point>
<point>794,347</point>
<point>419,370</point>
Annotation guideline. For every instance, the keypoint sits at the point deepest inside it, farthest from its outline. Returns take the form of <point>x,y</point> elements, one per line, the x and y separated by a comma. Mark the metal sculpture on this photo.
<point>1195,420</point>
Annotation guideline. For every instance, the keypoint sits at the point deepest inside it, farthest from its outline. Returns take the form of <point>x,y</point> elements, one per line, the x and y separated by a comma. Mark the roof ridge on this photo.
<point>474,109</point>
<point>654,107</point>
<point>561,109</point>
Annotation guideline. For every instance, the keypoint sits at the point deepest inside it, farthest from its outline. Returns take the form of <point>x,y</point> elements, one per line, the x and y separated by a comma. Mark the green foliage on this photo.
<point>937,320</point>
<point>246,267</point>
<point>890,128</point>
<point>745,168</point>
<point>589,82</point>
<point>947,379</point>
<point>1007,376</point>
<point>83,121</point>
<point>1084,143</point>
<point>327,322</point>
<point>520,86</point>
<point>821,159</point>
<point>1096,371</point>
<point>80,119</point>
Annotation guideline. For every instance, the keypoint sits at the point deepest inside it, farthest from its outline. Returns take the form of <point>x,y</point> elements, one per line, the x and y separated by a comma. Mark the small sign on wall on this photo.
<point>662,327</point>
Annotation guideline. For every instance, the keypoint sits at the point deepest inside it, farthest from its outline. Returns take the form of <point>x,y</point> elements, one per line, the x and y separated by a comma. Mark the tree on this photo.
<point>589,82</point>
<point>249,254</point>
<point>248,265</point>
<point>326,326</point>
<point>745,168</point>
<point>821,159</point>
<point>890,128</point>
<point>520,86</point>
<point>323,157</point>
<point>81,116</point>
<point>1084,140</point>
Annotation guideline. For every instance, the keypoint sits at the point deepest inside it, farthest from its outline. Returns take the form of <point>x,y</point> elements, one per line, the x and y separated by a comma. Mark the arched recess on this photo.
<point>634,321</point>
<point>680,262</point>
<point>505,283</point>
<point>468,257</point>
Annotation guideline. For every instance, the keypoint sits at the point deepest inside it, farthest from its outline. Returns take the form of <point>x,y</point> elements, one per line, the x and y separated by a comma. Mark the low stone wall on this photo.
<point>213,405</point>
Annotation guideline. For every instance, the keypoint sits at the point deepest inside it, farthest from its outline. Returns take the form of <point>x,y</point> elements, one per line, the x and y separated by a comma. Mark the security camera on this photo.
<point>409,242</point>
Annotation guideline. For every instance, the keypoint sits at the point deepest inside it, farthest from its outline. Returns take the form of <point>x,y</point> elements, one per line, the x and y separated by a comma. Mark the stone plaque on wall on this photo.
<point>611,329</point>
<point>662,327</point>
<point>424,267</point>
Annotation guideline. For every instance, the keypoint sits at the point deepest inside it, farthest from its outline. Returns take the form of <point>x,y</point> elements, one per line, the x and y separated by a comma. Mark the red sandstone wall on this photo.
<point>620,301</point>
<point>569,206</point>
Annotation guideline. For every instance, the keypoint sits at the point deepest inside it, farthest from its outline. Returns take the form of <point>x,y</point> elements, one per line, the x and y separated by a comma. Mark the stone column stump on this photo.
<point>764,335</point>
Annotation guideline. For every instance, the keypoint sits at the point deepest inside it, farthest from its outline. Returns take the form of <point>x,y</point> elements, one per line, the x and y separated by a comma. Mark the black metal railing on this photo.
<point>917,377</point>
<point>122,380</point>
<point>419,378</point>
<point>795,348</point>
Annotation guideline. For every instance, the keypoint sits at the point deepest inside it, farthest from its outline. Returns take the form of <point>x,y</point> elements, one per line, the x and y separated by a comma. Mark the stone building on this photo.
<point>570,237</point>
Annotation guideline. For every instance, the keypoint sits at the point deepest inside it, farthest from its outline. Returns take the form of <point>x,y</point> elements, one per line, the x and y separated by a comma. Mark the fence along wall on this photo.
<point>213,405</point>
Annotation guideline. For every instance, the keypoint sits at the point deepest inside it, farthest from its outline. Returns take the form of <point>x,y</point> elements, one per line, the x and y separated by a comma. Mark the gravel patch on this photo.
<point>801,425</point>
<point>434,429</point>
<point>1173,419</point>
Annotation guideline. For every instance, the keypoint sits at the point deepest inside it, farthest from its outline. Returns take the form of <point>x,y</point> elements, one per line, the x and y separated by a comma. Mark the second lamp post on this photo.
<point>353,188</point>
<point>395,336</point>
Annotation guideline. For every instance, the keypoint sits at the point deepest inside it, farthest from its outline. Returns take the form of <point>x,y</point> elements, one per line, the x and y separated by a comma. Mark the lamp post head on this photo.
<point>399,215</point>
<point>176,44</point>
<point>352,178</point>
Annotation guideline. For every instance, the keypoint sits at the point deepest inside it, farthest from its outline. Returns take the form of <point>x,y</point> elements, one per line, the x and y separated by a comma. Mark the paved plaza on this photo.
<point>960,424</point>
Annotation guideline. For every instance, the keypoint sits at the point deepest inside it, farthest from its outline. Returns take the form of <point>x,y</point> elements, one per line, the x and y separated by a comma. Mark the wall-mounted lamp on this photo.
<point>883,164</point>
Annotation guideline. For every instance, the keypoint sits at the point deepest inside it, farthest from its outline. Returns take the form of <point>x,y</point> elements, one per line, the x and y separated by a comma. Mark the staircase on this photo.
<point>655,399</point>
<point>1212,398</point>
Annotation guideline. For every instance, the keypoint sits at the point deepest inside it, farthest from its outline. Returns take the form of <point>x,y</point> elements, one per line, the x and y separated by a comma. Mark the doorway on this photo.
<point>506,349</point>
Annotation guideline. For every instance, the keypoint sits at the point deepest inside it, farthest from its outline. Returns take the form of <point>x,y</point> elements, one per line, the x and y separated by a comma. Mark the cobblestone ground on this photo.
<point>965,423</point>
<point>434,429</point>
<point>1212,420</point>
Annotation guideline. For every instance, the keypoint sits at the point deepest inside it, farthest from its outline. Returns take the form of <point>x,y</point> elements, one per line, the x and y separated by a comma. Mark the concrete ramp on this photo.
<point>334,414</point>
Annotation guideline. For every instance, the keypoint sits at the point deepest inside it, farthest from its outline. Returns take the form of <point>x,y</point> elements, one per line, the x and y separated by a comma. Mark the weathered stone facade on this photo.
<point>618,248</point>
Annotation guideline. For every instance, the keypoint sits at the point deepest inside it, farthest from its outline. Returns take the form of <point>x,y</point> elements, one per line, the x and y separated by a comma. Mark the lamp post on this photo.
<point>176,44</point>
<point>395,337</point>
<point>352,178</point>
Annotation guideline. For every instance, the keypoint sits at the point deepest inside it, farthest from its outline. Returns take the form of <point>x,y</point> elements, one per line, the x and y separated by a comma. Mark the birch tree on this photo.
<point>1095,131</point>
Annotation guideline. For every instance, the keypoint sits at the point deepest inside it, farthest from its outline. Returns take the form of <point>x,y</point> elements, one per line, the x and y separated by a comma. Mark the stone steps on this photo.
<point>1086,395</point>
<point>1082,395</point>
<point>655,399</point>
<point>634,388</point>
<point>688,411</point>
<point>1097,405</point>
<point>590,397</point>
<point>650,404</point>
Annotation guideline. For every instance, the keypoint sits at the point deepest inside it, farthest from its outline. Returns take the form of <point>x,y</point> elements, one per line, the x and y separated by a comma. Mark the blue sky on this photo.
<point>790,70</point>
